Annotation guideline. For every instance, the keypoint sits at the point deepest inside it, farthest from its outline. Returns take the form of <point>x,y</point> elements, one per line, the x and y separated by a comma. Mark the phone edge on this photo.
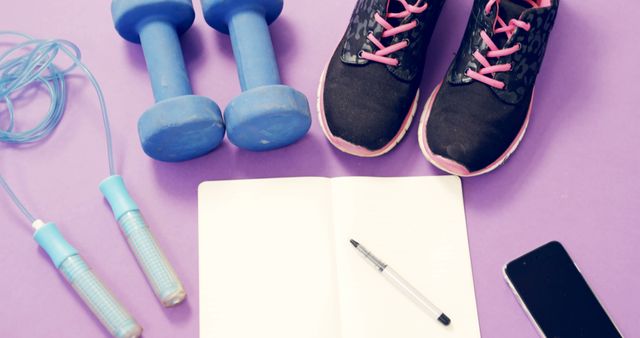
<point>521,302</point>
<point>526,309</point>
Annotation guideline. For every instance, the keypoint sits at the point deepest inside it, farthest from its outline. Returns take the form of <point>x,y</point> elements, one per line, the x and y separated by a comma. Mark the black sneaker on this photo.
<point>478,115</point>
<point>368,93</point>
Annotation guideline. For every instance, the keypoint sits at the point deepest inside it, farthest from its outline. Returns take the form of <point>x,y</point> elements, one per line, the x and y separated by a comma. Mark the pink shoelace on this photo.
<point>389,30</point>
<point>495,52</point>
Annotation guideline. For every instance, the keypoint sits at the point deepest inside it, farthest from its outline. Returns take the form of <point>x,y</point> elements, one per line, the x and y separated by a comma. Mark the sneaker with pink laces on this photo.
<point>368,93</point>
<point>478,115</point>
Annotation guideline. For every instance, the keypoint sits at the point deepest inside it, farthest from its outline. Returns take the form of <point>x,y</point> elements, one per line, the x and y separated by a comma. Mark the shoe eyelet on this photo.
<point>360,54</point>
<point>519,46</point>
<point>370,33</point>
<point>407,41</point>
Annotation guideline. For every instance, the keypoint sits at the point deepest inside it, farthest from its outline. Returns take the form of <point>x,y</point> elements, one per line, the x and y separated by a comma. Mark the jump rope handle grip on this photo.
<point>96,295</point>
<point>155,265</point>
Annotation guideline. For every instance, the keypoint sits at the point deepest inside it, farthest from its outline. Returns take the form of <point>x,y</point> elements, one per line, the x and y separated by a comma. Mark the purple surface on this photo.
<point>573,178</point>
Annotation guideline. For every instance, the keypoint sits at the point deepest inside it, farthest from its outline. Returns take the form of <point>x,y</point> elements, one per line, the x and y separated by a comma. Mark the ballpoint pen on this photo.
<point>403,285</point>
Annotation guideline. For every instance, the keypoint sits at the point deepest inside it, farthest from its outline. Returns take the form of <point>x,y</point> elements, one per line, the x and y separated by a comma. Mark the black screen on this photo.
<point>557,296</point>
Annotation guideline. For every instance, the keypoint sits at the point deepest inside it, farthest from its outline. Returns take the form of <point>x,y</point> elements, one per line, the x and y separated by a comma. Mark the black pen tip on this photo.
<point>354,243</point>
<point>444,319</point>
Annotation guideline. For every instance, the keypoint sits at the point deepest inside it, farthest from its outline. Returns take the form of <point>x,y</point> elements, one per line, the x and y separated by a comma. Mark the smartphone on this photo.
<point>556,296</point>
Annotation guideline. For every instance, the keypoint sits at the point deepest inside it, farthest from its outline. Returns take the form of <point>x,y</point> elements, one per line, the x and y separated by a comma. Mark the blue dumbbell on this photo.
<point>180,126</point>
<point>267,115</point>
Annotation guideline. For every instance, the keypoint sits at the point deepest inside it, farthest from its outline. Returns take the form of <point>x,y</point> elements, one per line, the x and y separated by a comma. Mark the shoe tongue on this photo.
<point>395,6</point>
<point>511,9</point>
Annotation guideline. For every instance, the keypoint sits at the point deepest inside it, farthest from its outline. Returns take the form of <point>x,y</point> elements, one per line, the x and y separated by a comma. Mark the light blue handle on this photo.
<point>116,193</point>
<point>52,241</point>
<point>99,299</point>
<point>155,265</point>
<point>159,272</point>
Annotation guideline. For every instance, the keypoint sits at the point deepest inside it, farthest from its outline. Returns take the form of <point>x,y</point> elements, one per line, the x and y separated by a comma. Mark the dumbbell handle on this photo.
<point>98,298</point>
<point>165,62</point>
<point>253,49</point>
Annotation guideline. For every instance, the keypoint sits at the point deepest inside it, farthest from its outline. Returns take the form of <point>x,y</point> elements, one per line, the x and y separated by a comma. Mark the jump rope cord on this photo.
<point>32,61</point>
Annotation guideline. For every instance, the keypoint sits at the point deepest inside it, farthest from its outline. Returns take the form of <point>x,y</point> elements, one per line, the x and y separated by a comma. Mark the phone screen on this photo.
<point>557,296</point>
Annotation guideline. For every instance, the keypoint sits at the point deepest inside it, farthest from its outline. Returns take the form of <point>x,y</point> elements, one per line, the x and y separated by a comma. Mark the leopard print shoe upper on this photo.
<point>363,22</point>
<point>526,63</point>
<point>478,115</point>
<point>370,89</point>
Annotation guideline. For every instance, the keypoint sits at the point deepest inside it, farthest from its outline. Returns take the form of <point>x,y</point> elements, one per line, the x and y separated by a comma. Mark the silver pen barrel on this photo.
<point>377,263</point>
<point>402,285</point>
<point>412,293</point>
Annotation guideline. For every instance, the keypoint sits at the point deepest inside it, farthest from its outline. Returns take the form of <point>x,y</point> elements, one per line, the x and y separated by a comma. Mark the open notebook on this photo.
<point>276,262</point>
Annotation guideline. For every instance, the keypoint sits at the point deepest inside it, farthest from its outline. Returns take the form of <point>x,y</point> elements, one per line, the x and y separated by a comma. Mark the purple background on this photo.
<point>573,178</point>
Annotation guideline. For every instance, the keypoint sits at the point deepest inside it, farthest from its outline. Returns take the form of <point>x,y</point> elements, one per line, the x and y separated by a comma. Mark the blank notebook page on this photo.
<point>416,226</point>
<point>275,259</point>
<point>266,260</point>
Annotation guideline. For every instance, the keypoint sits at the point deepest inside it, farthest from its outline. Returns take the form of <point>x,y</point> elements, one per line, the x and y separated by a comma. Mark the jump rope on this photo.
<point>29,63</point>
